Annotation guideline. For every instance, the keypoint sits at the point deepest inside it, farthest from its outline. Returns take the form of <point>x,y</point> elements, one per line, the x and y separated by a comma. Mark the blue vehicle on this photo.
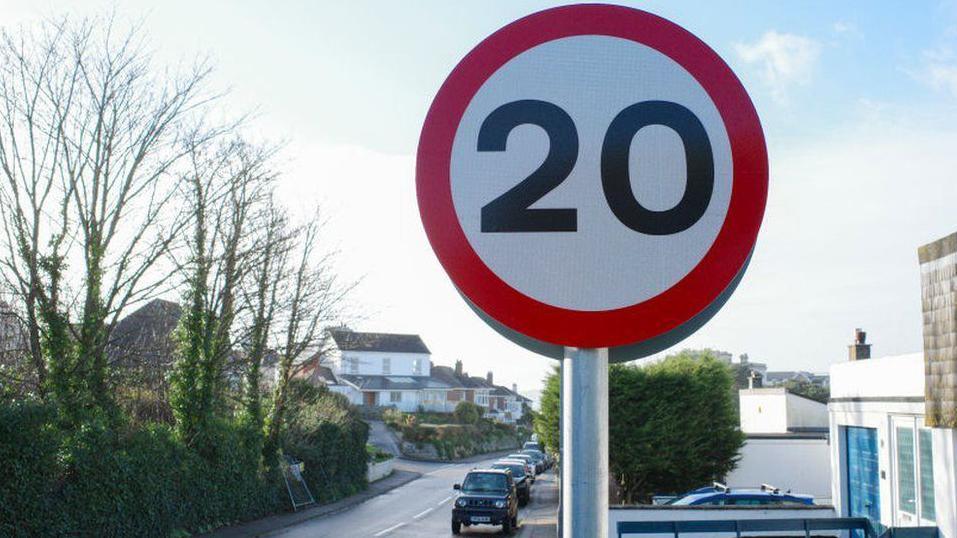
<point>721,495</point>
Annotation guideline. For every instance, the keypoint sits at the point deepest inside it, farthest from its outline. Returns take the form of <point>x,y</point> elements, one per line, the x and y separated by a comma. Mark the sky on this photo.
<point>856,100</point>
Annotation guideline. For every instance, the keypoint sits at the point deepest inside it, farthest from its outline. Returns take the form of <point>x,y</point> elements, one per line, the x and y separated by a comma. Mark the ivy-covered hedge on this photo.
<point>98,481</point>
<point>327,434</point>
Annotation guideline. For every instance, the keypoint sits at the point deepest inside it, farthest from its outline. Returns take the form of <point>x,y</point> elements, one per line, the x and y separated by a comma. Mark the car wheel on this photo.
<point>515,522</point>
<point>507,526</point>
<point>456,527</point>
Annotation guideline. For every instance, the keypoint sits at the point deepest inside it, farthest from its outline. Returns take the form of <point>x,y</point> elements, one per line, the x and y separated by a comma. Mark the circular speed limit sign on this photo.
<point>593,176</point>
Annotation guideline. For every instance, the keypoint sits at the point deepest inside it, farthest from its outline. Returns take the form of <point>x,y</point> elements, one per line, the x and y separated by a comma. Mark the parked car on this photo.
<point>721,495</point>
<point>536,465</point>
<point>523,484</point>
<point>488,497</point>
<point>533,445</point>
<point>529,467</point>
<point>539,457</point>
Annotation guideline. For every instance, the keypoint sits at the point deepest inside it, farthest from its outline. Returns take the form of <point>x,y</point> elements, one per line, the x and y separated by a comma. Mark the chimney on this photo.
<point>515,388</point>
<point>458,368</point>
<point>743,358</point>
<point>860,349</point>
<point>488,378</point>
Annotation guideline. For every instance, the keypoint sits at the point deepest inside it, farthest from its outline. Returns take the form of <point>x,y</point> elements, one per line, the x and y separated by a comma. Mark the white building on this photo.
<point>787,443</point>
<point>886,464</point>
<point>777,410</point>
<point>395,370</point>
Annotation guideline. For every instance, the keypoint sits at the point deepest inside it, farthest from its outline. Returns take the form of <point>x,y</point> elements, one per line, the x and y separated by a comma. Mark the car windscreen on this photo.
<point>518,470</point>
<point>533,453</point>
<point>485,483</point>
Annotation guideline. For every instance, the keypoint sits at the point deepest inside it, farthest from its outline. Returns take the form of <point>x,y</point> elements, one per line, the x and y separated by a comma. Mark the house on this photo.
<point>888,465</point>
<point>396,370</point>
<point>894,419</point>
<point>381,369</point>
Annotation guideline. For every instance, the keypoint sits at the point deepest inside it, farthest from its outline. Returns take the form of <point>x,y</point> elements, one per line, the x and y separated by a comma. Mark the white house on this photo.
<point>787,443</point>
<point>395,370</point>
<point>886,464</point>
<point>386,369</point>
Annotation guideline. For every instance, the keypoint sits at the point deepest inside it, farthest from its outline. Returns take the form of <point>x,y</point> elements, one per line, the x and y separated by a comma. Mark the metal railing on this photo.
<point>739,526</point>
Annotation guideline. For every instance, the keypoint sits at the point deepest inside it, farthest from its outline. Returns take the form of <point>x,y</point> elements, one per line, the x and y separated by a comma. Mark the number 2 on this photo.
<point>510,212</point>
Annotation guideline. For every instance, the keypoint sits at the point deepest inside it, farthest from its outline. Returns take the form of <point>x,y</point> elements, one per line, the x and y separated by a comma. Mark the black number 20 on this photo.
<point>510,212</point>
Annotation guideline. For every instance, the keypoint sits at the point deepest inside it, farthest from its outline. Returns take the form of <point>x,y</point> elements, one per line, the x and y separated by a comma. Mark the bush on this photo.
<point>93,481</point>
<point>672,425</point>
<point>467,413</point>
<point>325,431</point>
<point>377,455</point>
<point>29,470</point>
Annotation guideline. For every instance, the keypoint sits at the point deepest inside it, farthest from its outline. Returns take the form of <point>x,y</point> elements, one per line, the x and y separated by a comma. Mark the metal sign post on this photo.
<point>585,442</point>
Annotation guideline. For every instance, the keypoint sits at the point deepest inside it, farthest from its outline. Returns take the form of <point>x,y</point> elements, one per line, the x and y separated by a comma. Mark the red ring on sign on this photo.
<point>622,326</point>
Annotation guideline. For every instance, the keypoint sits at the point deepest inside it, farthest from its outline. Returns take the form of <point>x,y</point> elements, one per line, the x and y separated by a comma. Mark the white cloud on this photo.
<point>784,60</point>
<point>939,70</point>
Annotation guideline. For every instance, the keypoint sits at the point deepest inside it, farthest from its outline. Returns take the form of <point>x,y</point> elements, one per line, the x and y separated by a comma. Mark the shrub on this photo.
<point>93,481</point>
<point>467,413</point>
<point>672,425</point>
<point>29,470</point>
<point>325,431</point>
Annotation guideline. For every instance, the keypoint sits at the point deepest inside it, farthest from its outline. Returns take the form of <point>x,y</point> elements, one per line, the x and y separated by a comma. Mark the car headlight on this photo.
<point>460,502</point>
<point>499,504</point>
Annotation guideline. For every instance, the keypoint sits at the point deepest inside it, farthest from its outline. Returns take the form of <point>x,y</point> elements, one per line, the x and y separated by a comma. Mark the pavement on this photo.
<point>271,524</point>
<point>423,507</point>
<point>383,438</point>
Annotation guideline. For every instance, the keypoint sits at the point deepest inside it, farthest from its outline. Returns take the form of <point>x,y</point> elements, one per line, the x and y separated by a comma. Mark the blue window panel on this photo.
<point>906,481</point>
<point>926,451</point>
<point>863,474</point>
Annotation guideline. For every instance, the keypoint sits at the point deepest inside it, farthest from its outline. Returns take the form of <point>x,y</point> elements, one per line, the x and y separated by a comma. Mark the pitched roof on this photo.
<point>446,375</point>
<point>395,343</point>
<point>144,335</point>
<point>312,370</point>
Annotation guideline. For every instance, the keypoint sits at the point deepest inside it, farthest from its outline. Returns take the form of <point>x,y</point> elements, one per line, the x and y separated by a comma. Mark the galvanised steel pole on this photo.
<point>584,491</point>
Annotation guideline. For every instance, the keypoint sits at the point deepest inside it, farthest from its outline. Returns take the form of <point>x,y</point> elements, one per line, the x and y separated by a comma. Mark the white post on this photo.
<point>584,491</point>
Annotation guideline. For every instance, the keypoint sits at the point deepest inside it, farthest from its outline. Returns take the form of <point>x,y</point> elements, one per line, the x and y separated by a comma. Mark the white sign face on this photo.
<point>596,262</point>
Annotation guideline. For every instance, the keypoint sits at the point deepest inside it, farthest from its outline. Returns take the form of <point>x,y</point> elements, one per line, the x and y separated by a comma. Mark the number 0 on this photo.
<point>510,212</point>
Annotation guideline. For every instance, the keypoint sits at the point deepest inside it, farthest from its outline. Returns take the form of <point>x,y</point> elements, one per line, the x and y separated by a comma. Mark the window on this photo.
<point>906,481</point>
<point>926,456</point>
<point>914,459</point>
<point>416,366</point>
<point>353,365</point>
<point>387,366</point>
<point>395,397</point>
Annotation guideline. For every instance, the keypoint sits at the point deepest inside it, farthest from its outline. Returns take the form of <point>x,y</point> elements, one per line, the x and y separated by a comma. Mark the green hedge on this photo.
<point>145,482</point>
<point>97,482</point>
<point>328,435</point>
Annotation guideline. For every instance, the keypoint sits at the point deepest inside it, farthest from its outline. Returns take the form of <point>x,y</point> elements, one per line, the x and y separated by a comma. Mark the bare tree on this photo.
<point>92,143</point>
<point>311,298</point>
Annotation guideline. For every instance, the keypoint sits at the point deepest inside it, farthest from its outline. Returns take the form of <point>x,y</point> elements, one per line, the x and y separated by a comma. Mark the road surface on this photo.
<point>423,508</point>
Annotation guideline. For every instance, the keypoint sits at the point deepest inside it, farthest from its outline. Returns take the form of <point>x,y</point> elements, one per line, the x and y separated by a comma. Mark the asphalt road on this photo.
<point>423,507</point>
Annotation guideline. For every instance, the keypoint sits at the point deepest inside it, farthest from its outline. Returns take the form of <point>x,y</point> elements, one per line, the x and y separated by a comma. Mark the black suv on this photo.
<point>488,498</point>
